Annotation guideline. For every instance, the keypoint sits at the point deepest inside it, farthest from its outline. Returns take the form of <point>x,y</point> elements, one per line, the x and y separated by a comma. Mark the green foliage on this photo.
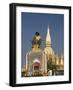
<point>50,65</point>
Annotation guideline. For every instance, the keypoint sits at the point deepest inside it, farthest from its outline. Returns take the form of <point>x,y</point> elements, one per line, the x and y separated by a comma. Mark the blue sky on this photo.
<point>38,22</point>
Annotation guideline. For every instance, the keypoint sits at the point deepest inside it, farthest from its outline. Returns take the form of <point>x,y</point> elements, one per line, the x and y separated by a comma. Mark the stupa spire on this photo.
<point>48,38</point>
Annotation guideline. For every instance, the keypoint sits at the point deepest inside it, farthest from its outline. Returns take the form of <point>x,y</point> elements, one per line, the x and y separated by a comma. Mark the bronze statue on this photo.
<point>36,40</point>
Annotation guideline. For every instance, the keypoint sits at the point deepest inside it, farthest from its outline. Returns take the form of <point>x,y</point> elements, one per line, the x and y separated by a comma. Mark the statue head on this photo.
<point>37,34</point>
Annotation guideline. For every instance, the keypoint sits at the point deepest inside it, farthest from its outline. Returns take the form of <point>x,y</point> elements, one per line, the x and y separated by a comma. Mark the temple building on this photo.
<point>43,62</point>
<point>36,61</point>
